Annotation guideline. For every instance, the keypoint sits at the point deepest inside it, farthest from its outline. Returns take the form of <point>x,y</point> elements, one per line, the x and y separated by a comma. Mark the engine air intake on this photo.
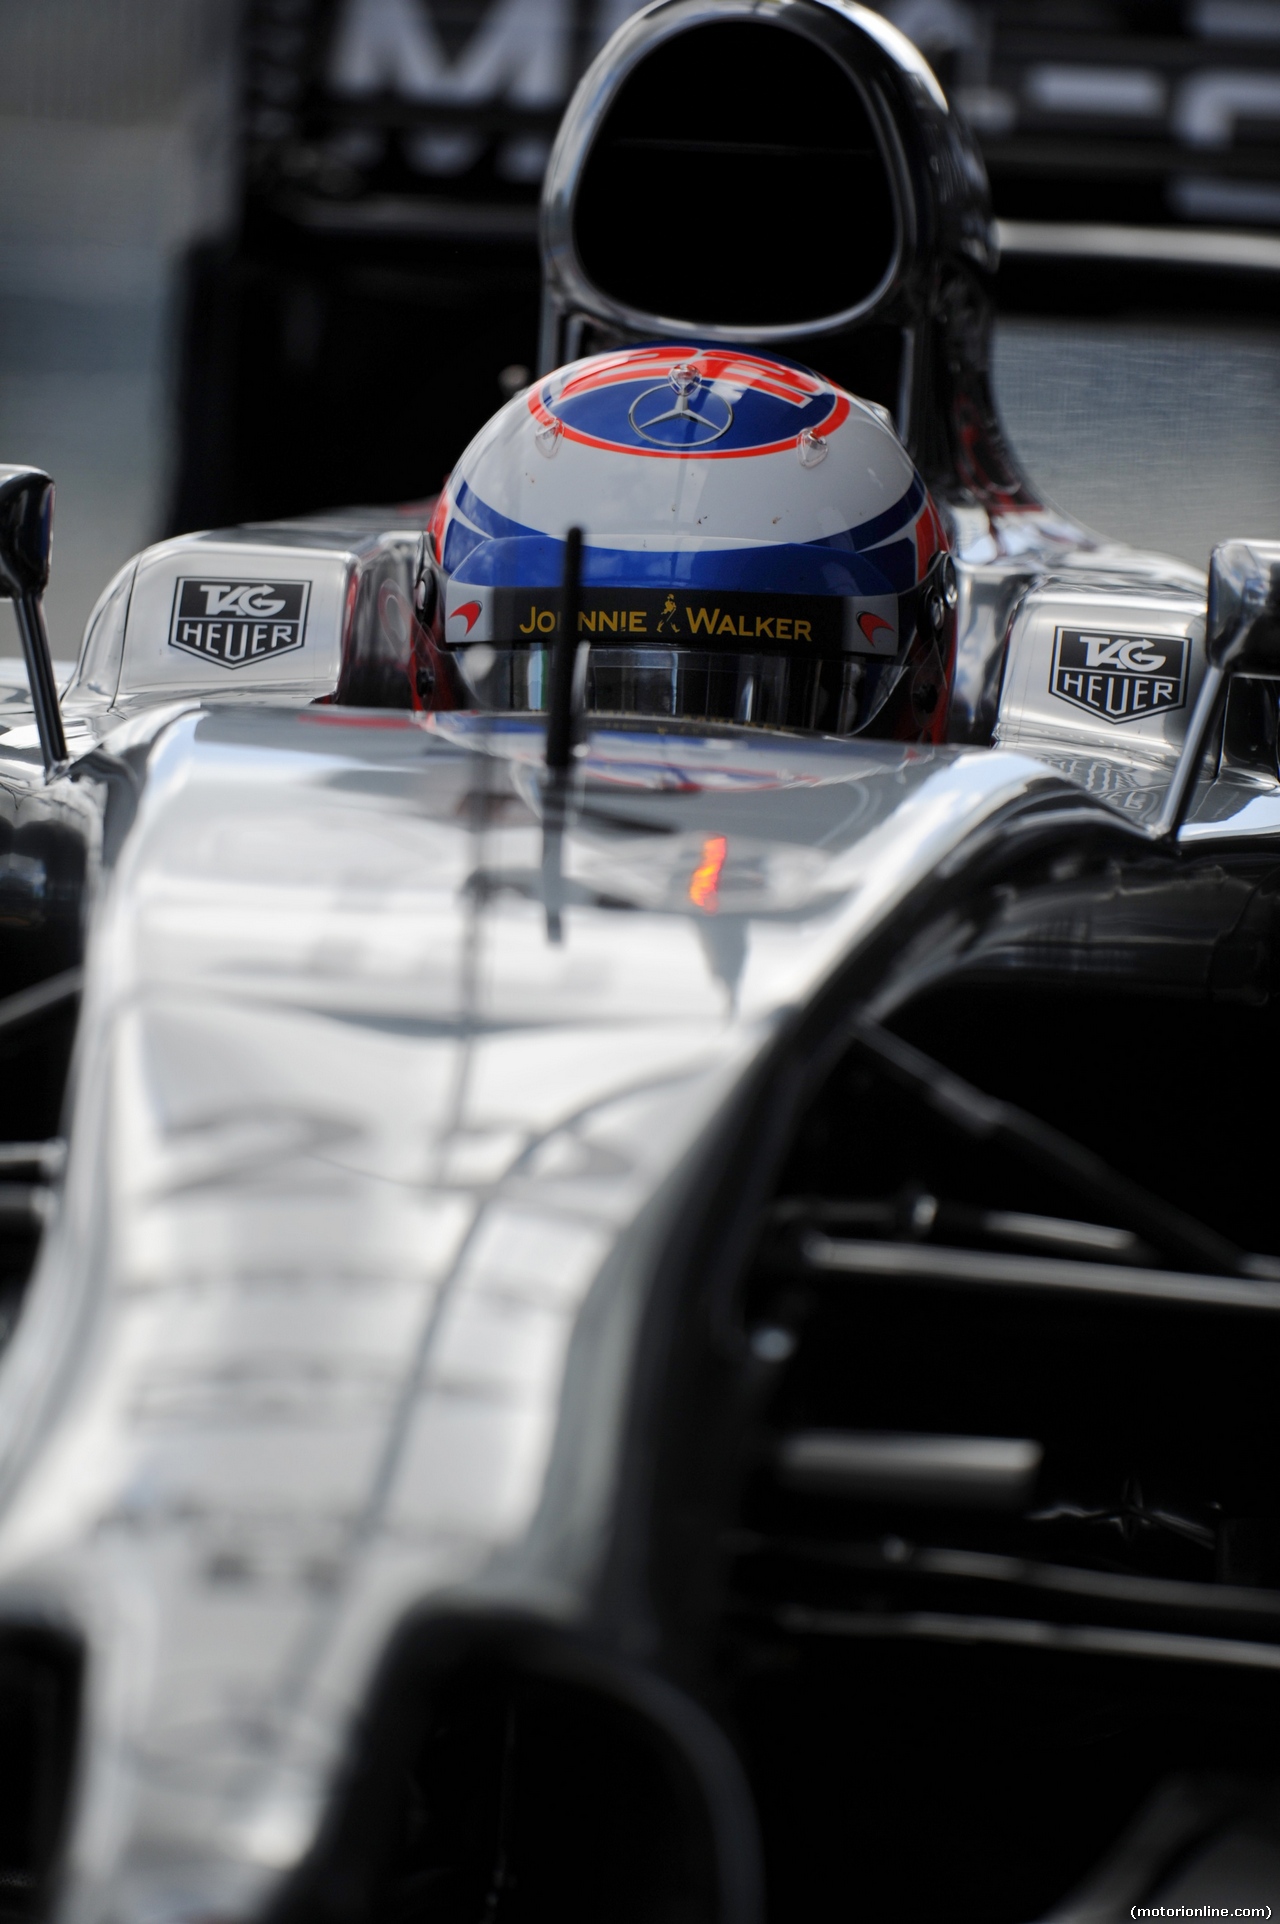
<point>737,181</point>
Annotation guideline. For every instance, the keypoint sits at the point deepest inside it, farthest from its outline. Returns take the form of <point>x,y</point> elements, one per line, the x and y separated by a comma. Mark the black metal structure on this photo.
<point>26,542</point>
<point>351,334</point>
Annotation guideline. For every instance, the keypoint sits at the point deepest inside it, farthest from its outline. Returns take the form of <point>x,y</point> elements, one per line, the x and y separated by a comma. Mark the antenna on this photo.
<point>564,650</point>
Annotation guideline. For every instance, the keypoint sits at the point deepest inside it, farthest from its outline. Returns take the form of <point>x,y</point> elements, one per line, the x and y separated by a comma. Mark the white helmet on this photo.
<point>758,547</point>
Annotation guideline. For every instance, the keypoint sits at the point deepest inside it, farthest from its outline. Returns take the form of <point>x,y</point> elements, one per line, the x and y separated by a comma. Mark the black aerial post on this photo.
<point>564,657</point>
<point>564,654</point>
<point>26,542</point>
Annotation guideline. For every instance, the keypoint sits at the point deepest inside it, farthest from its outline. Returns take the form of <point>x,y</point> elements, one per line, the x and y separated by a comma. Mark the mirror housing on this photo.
<point>1243,633</point>
<point>26,532</point>
<point>1242,637</point>
<point>26,545</point>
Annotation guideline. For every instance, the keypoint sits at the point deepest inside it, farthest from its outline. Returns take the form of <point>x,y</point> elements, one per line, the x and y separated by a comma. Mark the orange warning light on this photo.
<point>704,883</point>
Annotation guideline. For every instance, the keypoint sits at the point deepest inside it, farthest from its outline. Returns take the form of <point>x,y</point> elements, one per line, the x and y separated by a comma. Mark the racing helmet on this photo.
<point>757,548</point>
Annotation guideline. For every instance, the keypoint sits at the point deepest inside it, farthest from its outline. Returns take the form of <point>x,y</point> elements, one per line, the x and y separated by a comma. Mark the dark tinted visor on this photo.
<point>822,662</point>
<point>834,694</point>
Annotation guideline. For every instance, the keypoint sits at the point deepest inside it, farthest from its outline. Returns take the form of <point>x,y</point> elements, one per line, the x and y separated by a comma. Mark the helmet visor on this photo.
<point>826,662</point>
<point>836,694</point>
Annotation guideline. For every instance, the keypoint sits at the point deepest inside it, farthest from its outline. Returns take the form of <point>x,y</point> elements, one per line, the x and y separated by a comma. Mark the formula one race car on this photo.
<point>639,1117</point>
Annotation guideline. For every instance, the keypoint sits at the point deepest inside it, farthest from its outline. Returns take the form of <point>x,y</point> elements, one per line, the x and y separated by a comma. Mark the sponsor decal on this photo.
<point>1121,678</point>
<point>698,415</point>
<point>671,617</point>
<point>871,625</point>
<point>237,622</point>
<point>516,51</point>
<point>678,401</point>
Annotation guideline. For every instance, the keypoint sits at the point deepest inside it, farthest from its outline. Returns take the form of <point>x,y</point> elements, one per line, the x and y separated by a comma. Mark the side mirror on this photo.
<point>1242,637</point>
<point>26,542</point>
<point>1243,633</point>
<point>26,532</point>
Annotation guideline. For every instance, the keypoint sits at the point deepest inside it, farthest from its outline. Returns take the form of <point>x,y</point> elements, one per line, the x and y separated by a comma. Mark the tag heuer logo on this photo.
<point>236,622</point>
<point>1120,678</point>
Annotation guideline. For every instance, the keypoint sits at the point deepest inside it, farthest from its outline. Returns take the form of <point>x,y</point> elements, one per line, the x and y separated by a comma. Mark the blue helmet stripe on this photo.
<point>892,521</point>
<point>459,542</point>
<point>537,561</point>
<point>482,516</point>
<point>722,562</point>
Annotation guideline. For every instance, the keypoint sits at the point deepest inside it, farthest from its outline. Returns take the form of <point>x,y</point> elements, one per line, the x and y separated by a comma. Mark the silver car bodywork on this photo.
<point>366,1187</point>
<point>406,1084</point>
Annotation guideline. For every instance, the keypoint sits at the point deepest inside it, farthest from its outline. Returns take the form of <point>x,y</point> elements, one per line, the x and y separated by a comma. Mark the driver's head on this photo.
<point>758,548</point>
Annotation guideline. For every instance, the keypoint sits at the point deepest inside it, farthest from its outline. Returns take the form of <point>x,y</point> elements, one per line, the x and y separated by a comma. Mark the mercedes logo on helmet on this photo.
<point>699,416</point>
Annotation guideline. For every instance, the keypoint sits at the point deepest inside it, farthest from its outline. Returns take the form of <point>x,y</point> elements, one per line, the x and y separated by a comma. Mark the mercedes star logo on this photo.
<point>699,416</point>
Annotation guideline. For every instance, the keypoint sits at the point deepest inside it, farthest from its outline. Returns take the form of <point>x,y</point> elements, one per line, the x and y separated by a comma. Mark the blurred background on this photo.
<point>118,135</point>
<point>264,256</point>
